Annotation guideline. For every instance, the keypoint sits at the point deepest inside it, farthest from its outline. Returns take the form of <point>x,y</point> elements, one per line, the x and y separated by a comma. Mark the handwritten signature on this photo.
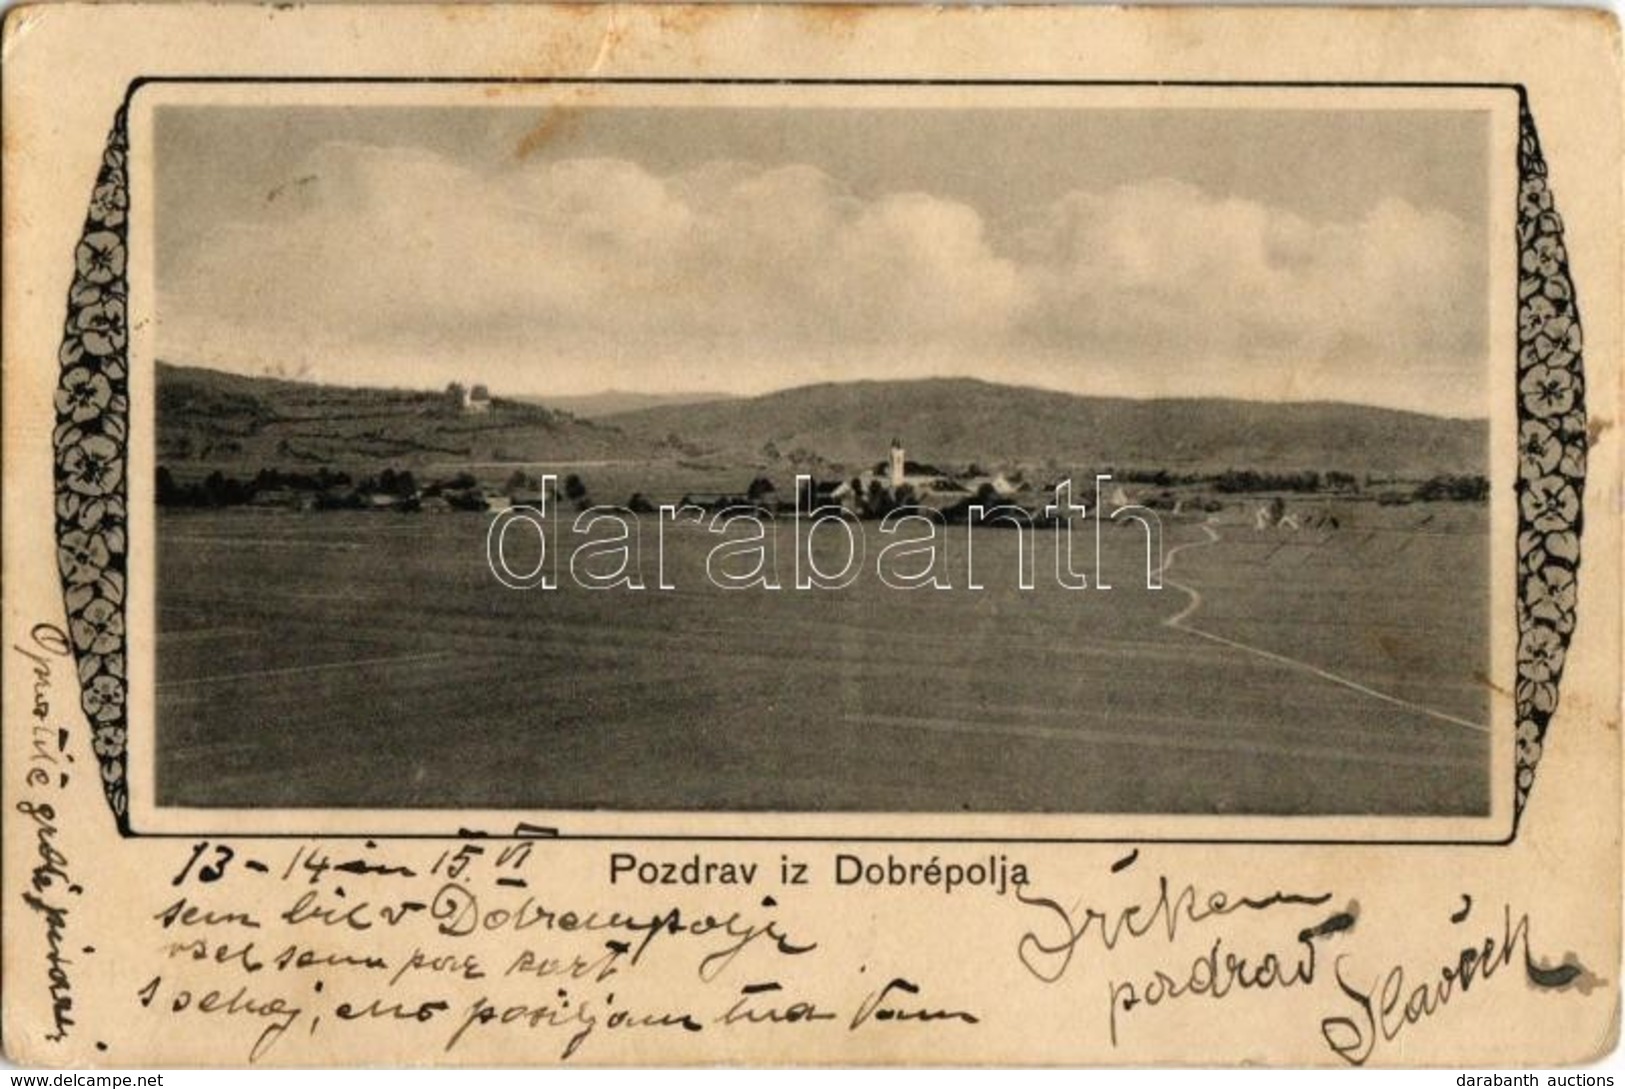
<point>1386,1007</point>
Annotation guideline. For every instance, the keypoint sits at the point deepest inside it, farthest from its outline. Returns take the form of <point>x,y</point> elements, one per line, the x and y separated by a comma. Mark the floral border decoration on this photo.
<point>1552,443</point>
<point>92,410</point>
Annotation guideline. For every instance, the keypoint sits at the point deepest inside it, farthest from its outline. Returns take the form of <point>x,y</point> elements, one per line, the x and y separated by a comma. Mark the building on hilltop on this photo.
<point>468,399</point>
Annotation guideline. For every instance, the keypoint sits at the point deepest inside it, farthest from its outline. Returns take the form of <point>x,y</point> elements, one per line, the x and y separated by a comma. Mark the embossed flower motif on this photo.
<point>104,700</point>
<point>1568,341</point>
<point>1534,698</point>
<point>1550,503</point>
<point>1545,256</point>
<point>1544,352</point>
<point>109,740</point>
<point>1538,448</point>
<point>1558,341</point>
<point>1551,597</point>
<point>92,467</point>
<point>1557,290</point>
<point>84,293</point>
<point>1546,322</point>
<point>84,394</point>
<point>1547,390</point>
<point>100,257</point>
<point>99,628</point>
<point>101,326</point>
<point>1536,198</point>
<point>108,204</point>
<point>1540,654</point>
<point>82,556</point>
<point>1535,316</point>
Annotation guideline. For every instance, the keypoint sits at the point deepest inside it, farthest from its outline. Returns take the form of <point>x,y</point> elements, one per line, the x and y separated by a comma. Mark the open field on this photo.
<point>372,660</point>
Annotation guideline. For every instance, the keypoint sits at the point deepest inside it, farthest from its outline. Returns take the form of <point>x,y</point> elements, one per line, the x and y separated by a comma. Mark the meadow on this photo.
<point>359,659</point>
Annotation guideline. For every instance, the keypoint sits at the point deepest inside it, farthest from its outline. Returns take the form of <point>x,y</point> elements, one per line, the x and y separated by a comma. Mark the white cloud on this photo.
<point>1171,270</point>
<point>598,272</point>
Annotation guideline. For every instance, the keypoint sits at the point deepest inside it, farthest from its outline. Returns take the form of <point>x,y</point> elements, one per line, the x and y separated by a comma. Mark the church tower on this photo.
<point>896,464</point>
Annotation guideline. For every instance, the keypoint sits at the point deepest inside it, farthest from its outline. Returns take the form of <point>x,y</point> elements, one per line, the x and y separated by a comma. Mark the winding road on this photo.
<point>1180,622</point>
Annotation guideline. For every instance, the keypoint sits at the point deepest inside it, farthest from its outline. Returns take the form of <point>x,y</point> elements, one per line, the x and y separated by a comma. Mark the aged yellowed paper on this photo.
<point>810,535</point>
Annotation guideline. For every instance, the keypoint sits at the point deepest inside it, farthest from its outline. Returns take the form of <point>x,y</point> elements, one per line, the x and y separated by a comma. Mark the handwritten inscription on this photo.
<point>1385,1005</point>
<point>1140,945</point>
<point>46,779</point>
<point>1049,955</point>
<point>1050,949</point>
<point>472,947</point>
<point>1221,971</point>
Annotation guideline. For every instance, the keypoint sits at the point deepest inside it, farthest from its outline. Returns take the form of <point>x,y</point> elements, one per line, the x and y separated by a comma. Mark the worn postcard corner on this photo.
<point>670,535</point>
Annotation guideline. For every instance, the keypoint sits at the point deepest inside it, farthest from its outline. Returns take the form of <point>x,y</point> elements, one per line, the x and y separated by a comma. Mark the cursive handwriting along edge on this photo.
<point>46,775</point>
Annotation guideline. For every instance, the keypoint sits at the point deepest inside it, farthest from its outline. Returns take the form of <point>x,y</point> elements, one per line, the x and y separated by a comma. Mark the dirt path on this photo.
<point>1180,622</point>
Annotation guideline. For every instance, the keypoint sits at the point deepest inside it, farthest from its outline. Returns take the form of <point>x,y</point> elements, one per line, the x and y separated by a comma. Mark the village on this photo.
<point>1010,497</point>
<point>210,468</point>
<point>748,544</point>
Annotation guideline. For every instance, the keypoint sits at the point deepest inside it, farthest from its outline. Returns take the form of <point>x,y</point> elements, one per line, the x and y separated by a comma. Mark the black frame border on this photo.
<point>91,452</point>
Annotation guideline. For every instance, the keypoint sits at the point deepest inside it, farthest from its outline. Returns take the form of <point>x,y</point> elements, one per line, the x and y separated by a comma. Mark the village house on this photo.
<point>924,485</point>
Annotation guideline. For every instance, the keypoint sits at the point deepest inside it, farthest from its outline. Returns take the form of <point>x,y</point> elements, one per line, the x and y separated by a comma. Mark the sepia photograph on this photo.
<point>754,536</point>
<point>823,452</point>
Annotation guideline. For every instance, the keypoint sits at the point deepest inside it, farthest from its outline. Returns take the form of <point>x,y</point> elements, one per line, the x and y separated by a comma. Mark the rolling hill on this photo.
<point>213,417</point>
<point>208,416</point>
<point>610,402</point>
<point>964,420</point>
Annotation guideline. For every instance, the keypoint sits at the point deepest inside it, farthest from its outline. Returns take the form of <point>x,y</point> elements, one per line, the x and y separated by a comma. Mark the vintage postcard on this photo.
<point>810,535</point>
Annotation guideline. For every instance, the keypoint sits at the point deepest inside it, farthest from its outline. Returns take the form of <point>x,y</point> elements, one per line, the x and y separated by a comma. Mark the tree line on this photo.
<point>326,488</point>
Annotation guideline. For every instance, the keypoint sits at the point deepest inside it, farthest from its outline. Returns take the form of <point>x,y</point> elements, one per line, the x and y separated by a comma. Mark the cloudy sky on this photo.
<point>1292,254</point>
